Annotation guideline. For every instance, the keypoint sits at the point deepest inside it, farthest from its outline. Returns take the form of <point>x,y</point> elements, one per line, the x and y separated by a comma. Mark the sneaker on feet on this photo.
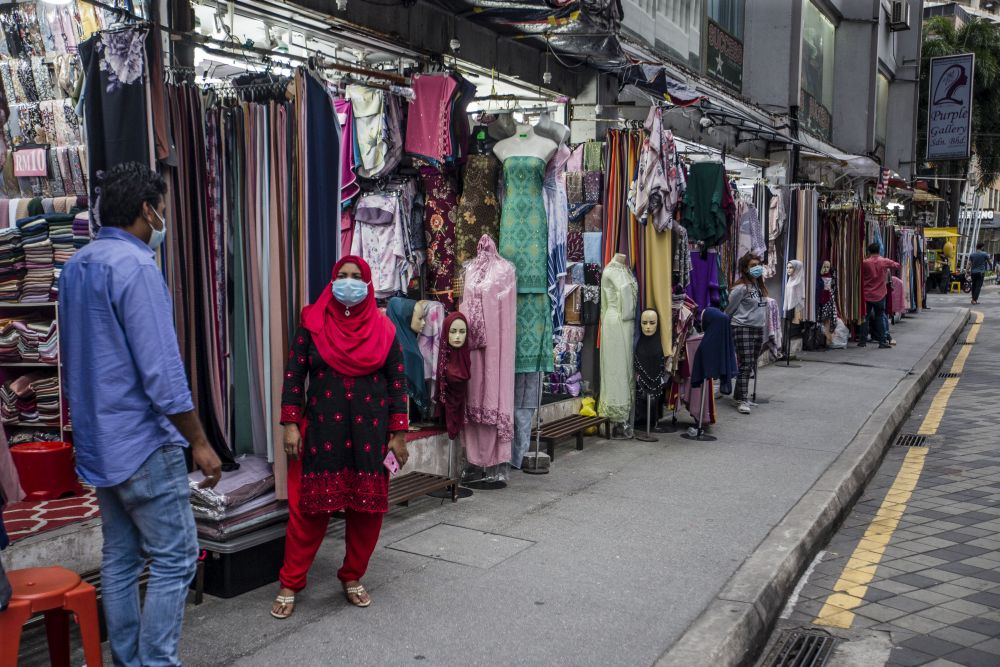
<point>862,344</point>
<point>883,346</point>
<point>744,408</point>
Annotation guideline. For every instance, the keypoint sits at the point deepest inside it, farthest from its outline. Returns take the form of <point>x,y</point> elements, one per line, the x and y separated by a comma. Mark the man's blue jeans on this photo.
<point>876,311</point>
<point>148,517</point>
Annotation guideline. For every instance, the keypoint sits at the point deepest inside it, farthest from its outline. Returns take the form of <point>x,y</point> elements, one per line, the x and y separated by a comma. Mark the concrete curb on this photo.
<point>734,626</point>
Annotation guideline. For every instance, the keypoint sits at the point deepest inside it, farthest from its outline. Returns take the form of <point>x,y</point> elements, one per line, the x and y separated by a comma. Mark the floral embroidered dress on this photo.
<point>346,426</point>
<point>439,229</point>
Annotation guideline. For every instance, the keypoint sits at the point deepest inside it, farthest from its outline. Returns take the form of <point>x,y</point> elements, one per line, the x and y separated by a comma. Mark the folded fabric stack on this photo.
<point>48,345</point>
<point>241,502</point>
<point>28,339</point>
<point>31,399</point>
<point>566,378</point>
<point>10,337</point>
<point>40,271</point>
<point>11,264</point>
<point>63,246</point>
<point>81,229</point>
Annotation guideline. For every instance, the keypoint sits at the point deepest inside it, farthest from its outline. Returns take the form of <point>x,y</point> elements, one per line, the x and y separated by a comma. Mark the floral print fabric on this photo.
<point>439,229</point>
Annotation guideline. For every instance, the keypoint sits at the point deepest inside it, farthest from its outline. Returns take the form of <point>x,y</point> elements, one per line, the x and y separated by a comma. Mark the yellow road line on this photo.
<point>849,591</point>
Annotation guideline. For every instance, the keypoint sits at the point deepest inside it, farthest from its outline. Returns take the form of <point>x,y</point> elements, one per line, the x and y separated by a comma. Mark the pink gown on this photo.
<point>489,303</point>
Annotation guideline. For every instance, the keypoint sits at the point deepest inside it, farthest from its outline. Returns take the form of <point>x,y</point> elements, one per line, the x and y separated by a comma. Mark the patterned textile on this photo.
<point>478,208</point>
<point>524,241</point>
<point>594,220</point>
<point>748,342</point>
<point>592,184</point>
<point>574,187</point>
<point>593,156</point>
<point>439,228</point>
<point>557,215</point>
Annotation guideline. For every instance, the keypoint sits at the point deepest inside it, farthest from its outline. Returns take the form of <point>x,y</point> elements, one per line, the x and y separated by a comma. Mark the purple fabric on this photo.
<point>704,286</point>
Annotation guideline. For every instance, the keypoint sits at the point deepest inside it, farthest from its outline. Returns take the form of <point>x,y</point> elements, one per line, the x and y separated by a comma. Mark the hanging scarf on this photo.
<point>454,371</point>
<point>354,341</point>
<point>649,364</point>
<point>716,356</point>
<point>400,312</point>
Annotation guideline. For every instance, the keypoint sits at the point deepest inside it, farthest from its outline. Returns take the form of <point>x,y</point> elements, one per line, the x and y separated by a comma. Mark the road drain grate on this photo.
<point>910,440</point>
<point>949,375</point>
<point>801,648</point>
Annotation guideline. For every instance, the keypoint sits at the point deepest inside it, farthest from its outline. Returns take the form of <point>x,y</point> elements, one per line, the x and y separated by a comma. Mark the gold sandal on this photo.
<point>357,592</point>
<point>288,603</point>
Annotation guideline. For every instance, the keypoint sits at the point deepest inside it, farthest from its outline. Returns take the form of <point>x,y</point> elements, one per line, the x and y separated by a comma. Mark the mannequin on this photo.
<point>503,127</point>
<point>403,314</point>
<point>525,143</point>
<point>619,295</point>
<point>524,241</point>
<point>828,301</point>
<point>548,128</point>
<point>454,366</point>
<point>795,291</point>
<point>419,317</point>
<point>649,366</point>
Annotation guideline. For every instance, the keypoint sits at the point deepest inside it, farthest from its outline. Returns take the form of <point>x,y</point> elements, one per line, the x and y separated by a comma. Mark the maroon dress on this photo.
<point>346,422</point>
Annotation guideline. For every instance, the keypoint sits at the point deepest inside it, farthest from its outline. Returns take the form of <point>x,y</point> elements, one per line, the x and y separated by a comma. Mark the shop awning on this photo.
<point>941,232</point>
<point>922,197</point>
<point>853,165</point>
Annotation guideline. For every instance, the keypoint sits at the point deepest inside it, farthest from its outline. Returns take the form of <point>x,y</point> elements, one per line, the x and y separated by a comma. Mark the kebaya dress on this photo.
<point>490,305</point>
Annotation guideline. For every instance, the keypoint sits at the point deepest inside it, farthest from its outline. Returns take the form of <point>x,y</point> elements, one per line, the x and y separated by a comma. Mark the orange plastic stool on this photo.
<point>56,592</point>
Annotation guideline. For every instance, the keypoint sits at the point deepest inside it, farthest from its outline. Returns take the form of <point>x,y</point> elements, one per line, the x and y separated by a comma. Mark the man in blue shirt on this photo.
<point>979,263</point>
<point>133,415</point>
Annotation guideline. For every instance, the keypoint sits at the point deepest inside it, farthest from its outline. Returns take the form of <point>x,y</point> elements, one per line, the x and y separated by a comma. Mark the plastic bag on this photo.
<point>840,336</point>
<point>587,409</point>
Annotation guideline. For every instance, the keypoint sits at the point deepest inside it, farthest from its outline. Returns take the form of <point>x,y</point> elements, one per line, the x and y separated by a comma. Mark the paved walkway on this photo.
<point>913,575</point>
<point>605,561</point>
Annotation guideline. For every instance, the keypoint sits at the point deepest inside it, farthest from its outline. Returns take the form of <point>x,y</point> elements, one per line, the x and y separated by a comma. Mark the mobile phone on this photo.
<point>391,464</point>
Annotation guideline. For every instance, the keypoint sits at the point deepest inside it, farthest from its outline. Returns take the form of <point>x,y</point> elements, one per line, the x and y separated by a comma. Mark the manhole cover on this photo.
<point>949,375</point>
<point>802,648</point>
<point>910,440</point>
<point>464,546</point>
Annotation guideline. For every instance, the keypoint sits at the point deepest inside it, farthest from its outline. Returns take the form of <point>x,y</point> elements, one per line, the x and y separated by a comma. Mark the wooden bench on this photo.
<point>412,485</point>
<point>563,429</point>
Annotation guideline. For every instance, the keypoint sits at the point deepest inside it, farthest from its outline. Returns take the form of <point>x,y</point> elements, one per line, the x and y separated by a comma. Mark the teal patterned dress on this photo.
<point>524,241</point>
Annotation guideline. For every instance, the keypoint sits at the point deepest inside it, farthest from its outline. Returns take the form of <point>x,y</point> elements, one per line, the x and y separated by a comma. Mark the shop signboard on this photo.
<point>815,117</point>
<point>724,57</point>
<point>949,107</point>
<point>30,162</point>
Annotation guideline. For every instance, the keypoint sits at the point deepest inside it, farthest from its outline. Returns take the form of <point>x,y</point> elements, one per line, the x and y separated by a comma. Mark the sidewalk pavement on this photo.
<point>605,561</point>
<point>912,577</point>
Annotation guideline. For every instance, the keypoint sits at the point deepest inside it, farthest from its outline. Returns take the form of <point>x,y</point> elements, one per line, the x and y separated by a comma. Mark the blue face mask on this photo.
<point>756,271</point>
<point>156,238</point>
<point>349,291</point>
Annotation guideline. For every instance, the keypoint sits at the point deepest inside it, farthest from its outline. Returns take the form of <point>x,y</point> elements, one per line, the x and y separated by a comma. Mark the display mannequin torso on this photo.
<point>548,128</point>
<point>525,143</point>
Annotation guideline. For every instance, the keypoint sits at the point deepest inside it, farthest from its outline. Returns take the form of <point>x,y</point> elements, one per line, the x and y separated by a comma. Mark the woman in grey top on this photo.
<point>747,311</point>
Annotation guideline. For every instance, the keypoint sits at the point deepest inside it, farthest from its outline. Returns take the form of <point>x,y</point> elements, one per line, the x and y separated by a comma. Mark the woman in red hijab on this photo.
<point>339,431</point>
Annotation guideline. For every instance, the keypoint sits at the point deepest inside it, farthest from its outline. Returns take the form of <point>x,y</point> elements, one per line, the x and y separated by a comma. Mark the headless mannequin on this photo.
<point>503,127</point>
<point>620,258</point>
<point>481,142</point>
<point>550,129</point>
<point>526,144</point>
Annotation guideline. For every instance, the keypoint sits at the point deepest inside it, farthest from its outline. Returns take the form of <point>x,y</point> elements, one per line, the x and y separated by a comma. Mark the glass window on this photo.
<point>881,107</point>
<point>818,36</point>
<point>729,15</point>
<point>679,25</point>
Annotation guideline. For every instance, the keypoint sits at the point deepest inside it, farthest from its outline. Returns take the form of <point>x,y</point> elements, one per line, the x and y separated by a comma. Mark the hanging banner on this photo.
<point>949,107</point>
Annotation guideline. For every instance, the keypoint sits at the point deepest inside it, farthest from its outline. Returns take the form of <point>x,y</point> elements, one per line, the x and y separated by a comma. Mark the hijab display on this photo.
<point>454,370</point>
<point>795,289</point>
<point>649,356</point>
<point>353,340</point>
<point>401,312</point>
<point>716,356</point>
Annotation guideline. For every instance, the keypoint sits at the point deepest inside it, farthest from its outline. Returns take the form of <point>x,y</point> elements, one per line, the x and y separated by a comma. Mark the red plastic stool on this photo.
<point>56,592</point>
<point>46,470</point>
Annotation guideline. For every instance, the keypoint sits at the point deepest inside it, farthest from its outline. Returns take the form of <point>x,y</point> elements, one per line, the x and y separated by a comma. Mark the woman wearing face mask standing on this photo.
<point>747,311</point>
<point>339,431</point>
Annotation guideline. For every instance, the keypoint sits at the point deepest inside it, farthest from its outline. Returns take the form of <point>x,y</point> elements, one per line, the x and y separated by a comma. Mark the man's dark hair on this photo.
<point>874,249</point>
<point>123,189</point>
<point>980,246</point>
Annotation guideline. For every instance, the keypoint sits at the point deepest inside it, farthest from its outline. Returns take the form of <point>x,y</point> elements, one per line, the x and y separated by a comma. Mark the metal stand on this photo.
<point>649,408</point>
<point>538,461</point>
<point>673,426</point>
<point>786,325</point>
<point>756,368</point>
<point>460,491</point>
<point>697,432</point>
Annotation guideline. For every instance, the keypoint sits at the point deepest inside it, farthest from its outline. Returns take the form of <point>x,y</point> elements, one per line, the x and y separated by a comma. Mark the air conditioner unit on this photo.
<point>899,16</point>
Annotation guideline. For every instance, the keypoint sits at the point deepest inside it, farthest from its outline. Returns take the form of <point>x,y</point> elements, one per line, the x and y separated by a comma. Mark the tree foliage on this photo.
<point>943,38</point>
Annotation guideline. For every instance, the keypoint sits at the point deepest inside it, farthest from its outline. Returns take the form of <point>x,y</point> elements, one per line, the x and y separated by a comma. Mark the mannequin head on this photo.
<point>458,333</point>
<point>825,268</point>
<point>790,269</point>
<point>650,322</point>
<point>419,316</point>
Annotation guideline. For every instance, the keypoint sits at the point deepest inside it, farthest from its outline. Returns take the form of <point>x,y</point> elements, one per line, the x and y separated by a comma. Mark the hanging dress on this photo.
<point>478,207</point>
<point>557,212</point>
<point>524,241</point>
<point>619,295</point>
